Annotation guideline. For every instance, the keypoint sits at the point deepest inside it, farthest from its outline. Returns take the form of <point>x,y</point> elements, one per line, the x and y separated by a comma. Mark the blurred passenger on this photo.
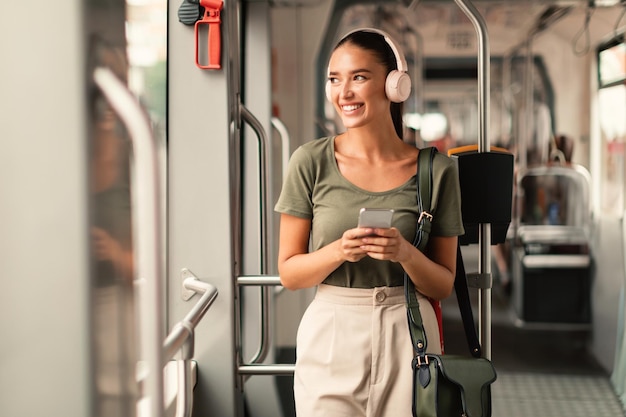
<point>562,149</point>
<point>113,321</point>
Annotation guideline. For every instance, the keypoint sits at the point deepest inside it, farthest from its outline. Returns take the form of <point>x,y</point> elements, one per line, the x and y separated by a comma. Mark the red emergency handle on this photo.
<point>213,45</point>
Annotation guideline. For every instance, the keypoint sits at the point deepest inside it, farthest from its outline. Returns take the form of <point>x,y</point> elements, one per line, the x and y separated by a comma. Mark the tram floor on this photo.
<point>540,372</point>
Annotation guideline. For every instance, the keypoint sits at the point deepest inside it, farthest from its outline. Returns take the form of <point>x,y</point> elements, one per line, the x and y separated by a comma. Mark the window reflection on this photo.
<point>137,56</point>
<point>113,325</point>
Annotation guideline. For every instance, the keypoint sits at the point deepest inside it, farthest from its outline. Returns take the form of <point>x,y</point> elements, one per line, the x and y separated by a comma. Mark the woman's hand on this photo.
<point>386,244</point>
<point>351,243</point>
<point>105,248</point>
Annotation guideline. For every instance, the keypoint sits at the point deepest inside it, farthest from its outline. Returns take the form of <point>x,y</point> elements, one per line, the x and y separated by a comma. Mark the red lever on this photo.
<point>213,45</point>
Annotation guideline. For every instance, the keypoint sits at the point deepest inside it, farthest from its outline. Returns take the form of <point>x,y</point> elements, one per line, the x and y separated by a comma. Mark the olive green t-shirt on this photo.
<point>315,189</point>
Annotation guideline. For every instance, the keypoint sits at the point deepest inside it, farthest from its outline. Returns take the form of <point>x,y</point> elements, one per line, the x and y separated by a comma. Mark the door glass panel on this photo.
<point>129,38</point>
<point>612,106</point>
<point>611,111</point>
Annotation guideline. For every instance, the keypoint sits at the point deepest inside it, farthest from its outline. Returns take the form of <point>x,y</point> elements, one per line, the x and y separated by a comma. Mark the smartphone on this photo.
<point>375,218</point>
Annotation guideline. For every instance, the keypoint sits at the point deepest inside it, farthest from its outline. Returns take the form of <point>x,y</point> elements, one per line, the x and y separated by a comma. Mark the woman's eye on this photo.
<point>359,77</point>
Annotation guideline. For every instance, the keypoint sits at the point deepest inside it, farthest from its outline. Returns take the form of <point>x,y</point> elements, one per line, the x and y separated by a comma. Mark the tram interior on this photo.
<point>87,302</point>
<point>545,339</point>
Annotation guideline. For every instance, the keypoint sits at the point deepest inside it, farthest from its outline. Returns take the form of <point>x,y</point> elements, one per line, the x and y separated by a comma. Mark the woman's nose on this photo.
<point>346,90</point>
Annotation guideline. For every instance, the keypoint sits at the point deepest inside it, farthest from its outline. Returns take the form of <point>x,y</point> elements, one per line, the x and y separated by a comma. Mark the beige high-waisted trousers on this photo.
<point>354,353</point>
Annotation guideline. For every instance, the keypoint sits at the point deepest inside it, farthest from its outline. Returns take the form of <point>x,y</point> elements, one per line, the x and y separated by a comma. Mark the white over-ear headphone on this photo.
<point>398,82</point>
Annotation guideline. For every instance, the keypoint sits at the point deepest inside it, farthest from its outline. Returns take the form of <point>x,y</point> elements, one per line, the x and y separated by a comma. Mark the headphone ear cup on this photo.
<point>328,97</point>
<point>398,86</point>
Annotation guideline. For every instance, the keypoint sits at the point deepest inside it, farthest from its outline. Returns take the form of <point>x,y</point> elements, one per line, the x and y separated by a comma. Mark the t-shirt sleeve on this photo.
<point>297,190</point>
<point>447,217</point>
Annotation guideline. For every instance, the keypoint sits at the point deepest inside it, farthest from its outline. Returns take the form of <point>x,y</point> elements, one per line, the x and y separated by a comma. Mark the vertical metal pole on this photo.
<point>529,105</point>
<point>507,99</point>
<point>418,70</point>
<point>484,237</point>
<point>232,12</point>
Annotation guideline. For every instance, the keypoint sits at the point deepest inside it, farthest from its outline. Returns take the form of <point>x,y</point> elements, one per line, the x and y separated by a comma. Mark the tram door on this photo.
<point>219,201</point>
<point>70,330</point>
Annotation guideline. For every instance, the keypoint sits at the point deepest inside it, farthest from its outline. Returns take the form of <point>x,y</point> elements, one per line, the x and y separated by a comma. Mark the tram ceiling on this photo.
<point>445,29</point>
<point>430,30</point>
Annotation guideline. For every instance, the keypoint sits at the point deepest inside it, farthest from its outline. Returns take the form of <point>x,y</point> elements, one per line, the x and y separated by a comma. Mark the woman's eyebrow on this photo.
<point>356,71</point>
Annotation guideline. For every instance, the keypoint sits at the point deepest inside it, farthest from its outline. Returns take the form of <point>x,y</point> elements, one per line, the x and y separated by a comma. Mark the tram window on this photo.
<point>612,63</point>
<point>611,103</point>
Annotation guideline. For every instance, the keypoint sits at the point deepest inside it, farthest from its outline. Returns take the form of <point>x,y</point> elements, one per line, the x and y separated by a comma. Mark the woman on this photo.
<point>353,345</point>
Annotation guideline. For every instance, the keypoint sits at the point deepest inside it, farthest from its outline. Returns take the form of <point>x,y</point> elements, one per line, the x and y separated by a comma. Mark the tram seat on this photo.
<point>551,257</point>
<point>486,180</point>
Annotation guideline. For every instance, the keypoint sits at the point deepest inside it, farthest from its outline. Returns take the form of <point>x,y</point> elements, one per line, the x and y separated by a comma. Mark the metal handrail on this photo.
<point>239,114</point>
<point>484,237</point>
<point>257,280</point>
<point>181,338</point>
<point>254,368</point>
<point>257,127</point>
<point>184,395</point>
<point>285,140</point>
<point>418,70</point>
<point>146,216</point>
<point>262,369</point>
<point>184,329</point>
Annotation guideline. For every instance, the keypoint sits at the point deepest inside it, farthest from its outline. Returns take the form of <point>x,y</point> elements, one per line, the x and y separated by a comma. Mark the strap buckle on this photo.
<point>425,214</point>
<point>422,360</point>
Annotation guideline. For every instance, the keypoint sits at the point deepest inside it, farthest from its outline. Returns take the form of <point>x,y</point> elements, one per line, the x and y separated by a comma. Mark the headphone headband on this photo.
<point>397,52</point>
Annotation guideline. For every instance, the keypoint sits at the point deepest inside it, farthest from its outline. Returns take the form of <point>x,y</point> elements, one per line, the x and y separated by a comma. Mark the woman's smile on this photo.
<point>351,107</point>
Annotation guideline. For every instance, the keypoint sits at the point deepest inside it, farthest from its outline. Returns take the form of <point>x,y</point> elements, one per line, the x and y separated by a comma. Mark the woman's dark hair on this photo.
<point>376,43</point>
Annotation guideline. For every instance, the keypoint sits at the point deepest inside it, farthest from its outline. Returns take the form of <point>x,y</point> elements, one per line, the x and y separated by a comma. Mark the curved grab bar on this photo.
<point>183,330</point>
<point>285,141</point>
<point>484,237</point>
<point>181,338</point>
<point>257,127</point>
<point>263,369</point>
<point>146,216</point>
